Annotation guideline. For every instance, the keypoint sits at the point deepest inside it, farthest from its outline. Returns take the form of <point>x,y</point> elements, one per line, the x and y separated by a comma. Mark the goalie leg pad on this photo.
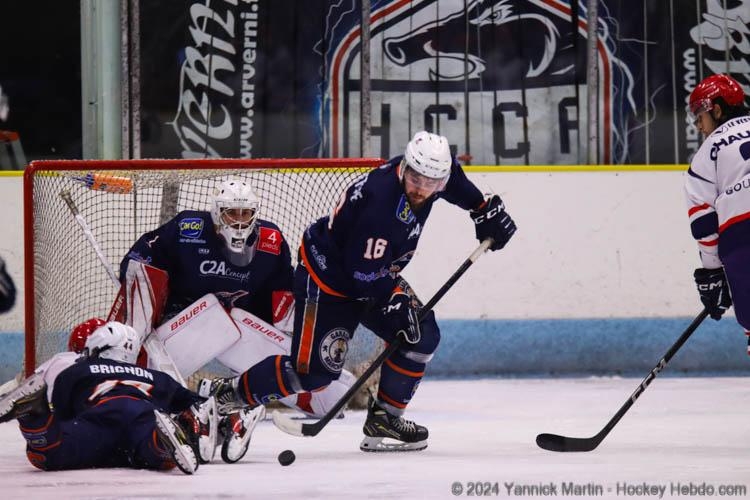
<point>258,340</point>
<point>141,298</point>
<point>197,334</point>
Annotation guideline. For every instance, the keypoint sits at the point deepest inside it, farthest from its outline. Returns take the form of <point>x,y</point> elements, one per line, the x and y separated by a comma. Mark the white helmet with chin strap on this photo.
<point>429,155</point>
<point>116,341</point>
<point>234,195</point>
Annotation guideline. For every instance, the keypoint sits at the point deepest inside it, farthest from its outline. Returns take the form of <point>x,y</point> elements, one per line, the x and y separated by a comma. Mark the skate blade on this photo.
<point>183,454</point>
<point>387,445</point>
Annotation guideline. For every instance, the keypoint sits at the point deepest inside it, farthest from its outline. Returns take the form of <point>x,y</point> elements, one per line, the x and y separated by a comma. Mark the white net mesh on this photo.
<point>120,200</point>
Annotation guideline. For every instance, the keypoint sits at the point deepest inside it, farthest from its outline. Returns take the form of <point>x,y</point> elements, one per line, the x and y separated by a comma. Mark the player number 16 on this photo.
<point>375,248</point>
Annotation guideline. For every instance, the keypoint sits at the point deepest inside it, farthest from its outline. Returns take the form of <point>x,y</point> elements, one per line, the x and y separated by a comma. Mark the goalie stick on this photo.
<point>555,442</point>
<point>65,195</point>
<point>286,424</point>
<point>152,344</point>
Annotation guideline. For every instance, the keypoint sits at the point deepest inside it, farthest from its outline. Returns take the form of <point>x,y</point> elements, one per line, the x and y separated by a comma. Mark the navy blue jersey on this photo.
<point>88,382</point>
<point>359,250</point>
<point>193,255</point>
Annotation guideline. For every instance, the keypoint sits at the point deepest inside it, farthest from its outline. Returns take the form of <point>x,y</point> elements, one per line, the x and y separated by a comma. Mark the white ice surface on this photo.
<point>681,430</point>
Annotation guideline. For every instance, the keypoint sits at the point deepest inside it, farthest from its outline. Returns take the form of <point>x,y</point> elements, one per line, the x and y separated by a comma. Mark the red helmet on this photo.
<point>701,99</point>
<point>80,333</point>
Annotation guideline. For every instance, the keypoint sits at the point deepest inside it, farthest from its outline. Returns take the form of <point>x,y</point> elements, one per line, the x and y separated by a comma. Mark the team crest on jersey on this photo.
<point>403,212</point>
<point>333,349</point>
<point>270,240</point>
<point>191,227</point>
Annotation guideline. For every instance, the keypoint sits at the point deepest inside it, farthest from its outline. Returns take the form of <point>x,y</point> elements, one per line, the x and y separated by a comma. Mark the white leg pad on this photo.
<point>197,334</point>
<point>257,341</point>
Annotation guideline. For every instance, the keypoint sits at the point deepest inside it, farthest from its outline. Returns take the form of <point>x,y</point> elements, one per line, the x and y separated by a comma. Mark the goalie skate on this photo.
<point>237,429</point>
<point>386,432</point>
<point>200,423</point>
<point>174,440</point>
<point>29,398</point>
<point>225,392</point>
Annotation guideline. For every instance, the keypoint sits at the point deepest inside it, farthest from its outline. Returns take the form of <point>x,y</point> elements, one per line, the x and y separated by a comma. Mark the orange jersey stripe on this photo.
<point>279,378</point>
<point>40,429</point>
<point>390,401</point>
<point>304,354</point>
<point>246,390</point>
<point>403,371</point>
<point>316,279</point>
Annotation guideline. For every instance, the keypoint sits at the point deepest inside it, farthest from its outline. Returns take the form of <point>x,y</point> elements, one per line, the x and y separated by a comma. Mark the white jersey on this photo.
<point>717,186</point>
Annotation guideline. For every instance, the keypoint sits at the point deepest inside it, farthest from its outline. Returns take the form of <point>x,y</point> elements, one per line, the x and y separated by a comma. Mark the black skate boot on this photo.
<point>200,423</point>
<point>402,434</point>
<point>27,400</point>
<point>225,391</point>
<point>176,443</point>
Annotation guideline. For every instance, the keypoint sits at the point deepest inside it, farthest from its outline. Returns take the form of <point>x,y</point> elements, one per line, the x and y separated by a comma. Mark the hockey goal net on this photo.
<point>66,282</point>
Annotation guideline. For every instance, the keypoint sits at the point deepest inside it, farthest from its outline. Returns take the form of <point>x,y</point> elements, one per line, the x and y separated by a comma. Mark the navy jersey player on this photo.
<point>349,274</point>
<point>229,297</point>
<point>718,197</point>
<point>102,410</point>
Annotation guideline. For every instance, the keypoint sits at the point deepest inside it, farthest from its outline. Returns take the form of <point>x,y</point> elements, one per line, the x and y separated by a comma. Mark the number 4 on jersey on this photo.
<point>375,248</point>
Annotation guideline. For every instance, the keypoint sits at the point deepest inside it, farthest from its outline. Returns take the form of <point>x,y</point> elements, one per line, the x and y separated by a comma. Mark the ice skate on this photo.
<point>225,392</point>
<point>237,429</point>
<point>386,432</point>
<point>176,443</point>
<point>200,423</point>
<point>29,398</point>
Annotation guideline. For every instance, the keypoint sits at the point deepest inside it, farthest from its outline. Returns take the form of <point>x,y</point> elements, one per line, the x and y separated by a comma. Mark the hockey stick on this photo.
<point>68,199</point>
<point>554,442</point>
<point>150,342</point>
<point>290,426</point>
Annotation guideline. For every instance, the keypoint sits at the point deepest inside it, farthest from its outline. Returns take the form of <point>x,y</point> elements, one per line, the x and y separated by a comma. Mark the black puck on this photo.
<point>286,457</point>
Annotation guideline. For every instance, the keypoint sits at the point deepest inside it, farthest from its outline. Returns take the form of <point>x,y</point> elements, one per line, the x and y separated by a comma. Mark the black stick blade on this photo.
<point>554,442</point>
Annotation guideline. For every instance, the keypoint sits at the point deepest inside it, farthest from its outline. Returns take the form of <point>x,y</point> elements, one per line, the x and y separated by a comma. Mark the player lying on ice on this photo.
<point>99,409</point>
<point>217,286</point>
<point>349,273</point>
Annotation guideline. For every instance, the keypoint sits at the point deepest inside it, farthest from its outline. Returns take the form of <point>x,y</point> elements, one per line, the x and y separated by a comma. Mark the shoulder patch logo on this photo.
<point>269,240</point>
<point>403,212</point>
<point>191,227</point>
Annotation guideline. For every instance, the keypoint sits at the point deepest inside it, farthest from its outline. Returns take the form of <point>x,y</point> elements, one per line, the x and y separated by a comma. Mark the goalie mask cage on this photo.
<point>120,200</point>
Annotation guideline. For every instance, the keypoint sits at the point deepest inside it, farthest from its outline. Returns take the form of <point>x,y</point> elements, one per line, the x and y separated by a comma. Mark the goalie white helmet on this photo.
<point>234,212</point>
<point>429,155</point>
<point>115,341</point>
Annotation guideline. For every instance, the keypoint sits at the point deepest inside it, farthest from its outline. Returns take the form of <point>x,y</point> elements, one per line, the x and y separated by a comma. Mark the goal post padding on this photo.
<point>122,199</point>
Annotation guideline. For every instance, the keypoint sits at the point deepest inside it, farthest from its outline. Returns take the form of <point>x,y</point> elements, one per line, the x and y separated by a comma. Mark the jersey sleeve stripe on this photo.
<point>693,174</point>
<point>705,225</point>
<point>698,208</point>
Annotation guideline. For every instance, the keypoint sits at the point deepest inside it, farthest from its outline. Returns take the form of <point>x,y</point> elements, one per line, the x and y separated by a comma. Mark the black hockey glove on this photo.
<point>7,289</point>
<point>492,221</point>
<point>713,290</point>
<point>401,317</point>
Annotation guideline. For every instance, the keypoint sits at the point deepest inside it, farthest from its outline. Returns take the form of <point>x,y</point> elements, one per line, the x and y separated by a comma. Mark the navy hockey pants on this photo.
<point>323,326</point>
<point>117,432</point>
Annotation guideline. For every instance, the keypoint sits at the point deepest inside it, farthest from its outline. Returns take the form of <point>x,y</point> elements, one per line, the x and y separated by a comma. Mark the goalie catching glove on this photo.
<point>492,221</point>
<point>401,316</point>
<point>713,290</point>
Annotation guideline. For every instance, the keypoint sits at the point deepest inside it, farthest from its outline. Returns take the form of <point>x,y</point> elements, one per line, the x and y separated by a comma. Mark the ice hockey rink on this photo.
<point>685,435</point>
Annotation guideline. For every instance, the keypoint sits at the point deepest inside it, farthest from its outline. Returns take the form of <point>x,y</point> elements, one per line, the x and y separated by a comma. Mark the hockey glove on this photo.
<point>713,290</point>
<point>7,289</point>
<point>492,221</point>
<point>401,317</point>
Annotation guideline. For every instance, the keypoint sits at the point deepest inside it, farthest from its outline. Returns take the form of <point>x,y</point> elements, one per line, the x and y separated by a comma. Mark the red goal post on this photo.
<point>119,200</point>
